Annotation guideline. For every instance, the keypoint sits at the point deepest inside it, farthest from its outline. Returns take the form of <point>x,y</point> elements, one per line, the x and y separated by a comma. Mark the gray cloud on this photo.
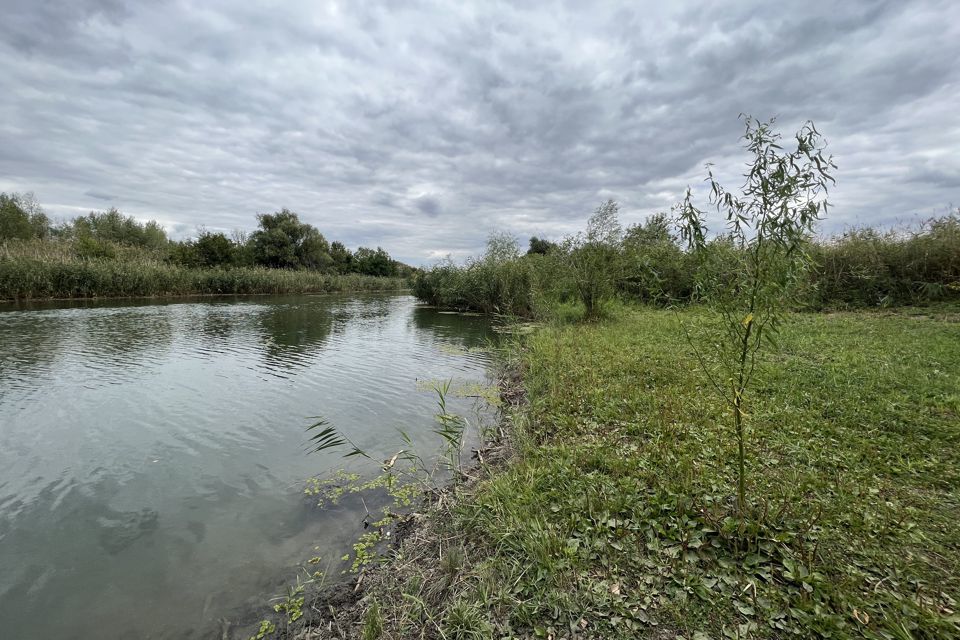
<point>424,127</point>
<point>428,206</point>
<point>99,195</point>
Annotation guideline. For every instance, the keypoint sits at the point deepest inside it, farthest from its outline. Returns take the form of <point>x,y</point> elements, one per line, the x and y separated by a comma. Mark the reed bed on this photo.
<point>35,270</point>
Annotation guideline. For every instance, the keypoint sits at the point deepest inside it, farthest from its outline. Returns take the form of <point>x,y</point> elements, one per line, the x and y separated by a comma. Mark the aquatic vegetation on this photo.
<point>404,477</point>
<point>329,490</point>
<point>487,392</point>
<point>292,604</point>
<point>456,350</point>
<point>407,480</point>
<point>267,629</point>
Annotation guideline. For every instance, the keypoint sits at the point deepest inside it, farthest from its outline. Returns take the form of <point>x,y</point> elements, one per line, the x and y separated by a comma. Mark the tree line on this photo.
<point>281,241</point>
<point>648,262</point>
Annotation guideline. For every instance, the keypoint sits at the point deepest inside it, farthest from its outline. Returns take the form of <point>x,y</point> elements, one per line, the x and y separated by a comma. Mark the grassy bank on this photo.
<point>616,516</point>
<point>55,276</point>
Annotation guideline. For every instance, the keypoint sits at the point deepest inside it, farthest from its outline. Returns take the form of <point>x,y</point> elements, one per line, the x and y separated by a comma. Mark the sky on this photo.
<point>423,127</point>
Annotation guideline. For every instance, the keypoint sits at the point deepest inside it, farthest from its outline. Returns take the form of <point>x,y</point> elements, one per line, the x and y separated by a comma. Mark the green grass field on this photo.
<point>616,517</point>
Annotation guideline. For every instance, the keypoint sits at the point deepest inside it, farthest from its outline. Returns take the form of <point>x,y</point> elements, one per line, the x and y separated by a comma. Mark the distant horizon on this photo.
<point>424,129</point>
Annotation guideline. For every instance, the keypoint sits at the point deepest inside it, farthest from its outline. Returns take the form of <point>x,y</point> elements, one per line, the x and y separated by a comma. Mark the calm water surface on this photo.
<point>151,455</point>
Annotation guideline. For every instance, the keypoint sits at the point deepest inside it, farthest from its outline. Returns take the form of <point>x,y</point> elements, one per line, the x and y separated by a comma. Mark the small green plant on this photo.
<point>748,277</point>
<point>330,490</point>
<point>267,629</point>
<point>372,622</point>
<point>466,621</point>
<point>292,603</point>
<point>451,428</point>
<point>453,561</point>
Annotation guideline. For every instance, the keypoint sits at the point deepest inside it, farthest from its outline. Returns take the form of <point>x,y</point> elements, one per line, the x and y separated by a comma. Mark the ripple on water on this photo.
<point>151,455</point>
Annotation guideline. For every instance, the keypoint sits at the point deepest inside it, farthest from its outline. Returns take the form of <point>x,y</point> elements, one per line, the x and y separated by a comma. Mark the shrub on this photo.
<point>113,227</point>
<point>656,269</point>
<point>866,267</point>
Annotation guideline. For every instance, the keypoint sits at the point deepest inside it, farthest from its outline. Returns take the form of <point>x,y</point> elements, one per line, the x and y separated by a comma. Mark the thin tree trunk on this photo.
<point>741,481</point>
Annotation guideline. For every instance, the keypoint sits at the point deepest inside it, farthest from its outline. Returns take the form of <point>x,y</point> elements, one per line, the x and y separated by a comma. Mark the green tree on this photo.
<point>314,251</point>
<point>208,250</point>
<point>214,250</point>
<point>342,257</point>
<point>594,258</point>
<point>655,267</point>
<point>656,229</point>
<point>283,242</point>
<point>541,246</point>
<point>501,247</point>
<point>21,217</point>
<point>242,248</point>
<point>505,276</point>
<point>113,226</point>
<point>374,263</point>
<point>748,277</point>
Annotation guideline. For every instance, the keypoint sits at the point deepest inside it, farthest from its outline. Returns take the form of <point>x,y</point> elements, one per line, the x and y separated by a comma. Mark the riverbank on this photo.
<point>614,516</point>
<point>23,278</point>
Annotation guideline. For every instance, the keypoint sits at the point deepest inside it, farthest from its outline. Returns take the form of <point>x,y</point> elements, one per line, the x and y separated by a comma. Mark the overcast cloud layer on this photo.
<point>423,126</point>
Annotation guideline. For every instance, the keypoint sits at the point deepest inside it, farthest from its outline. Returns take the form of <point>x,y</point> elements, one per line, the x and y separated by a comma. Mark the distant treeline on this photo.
<point>107,253</point>
<point>647,262</point>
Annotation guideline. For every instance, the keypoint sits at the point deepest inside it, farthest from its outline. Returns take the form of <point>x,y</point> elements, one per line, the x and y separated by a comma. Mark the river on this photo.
<point>152,460</point>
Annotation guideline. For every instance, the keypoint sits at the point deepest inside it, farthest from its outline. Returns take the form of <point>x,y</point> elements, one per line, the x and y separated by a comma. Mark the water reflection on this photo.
<point>137,338</point>
<point>33,352</point>
<point>151,454</point>
<point>293,334</point>
<point>215,324</point>
<point>463,331</point>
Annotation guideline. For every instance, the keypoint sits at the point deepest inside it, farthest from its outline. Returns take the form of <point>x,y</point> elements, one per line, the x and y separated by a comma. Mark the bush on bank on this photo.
<point>856,269</point>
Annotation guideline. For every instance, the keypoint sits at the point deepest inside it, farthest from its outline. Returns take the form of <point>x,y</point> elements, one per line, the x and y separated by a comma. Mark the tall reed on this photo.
<point>52,270</point>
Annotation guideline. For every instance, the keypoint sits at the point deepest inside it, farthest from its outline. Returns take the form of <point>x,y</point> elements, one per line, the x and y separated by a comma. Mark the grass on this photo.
<point>33,271</point>
<point>617,517</point>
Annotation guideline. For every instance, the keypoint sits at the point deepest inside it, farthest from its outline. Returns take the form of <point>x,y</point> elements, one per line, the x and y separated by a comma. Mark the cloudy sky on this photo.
<point>423,126</point>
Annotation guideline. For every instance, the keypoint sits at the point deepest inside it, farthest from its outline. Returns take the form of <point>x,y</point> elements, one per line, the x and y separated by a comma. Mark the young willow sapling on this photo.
<point>749,276</point>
